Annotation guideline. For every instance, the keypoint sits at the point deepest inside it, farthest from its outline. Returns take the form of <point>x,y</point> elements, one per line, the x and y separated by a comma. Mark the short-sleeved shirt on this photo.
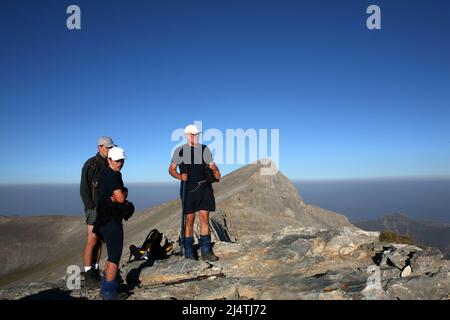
<point>192,160</point>
<point>109,181</point>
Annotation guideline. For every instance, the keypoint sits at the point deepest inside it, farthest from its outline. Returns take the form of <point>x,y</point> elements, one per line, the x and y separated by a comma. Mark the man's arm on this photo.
<point>215,170</point>
<point>208,158</point>
<point>86,188</point>
<point>173,172</point>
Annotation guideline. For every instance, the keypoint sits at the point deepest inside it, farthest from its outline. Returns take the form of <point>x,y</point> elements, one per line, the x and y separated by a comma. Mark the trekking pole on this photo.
<point>183,215</point>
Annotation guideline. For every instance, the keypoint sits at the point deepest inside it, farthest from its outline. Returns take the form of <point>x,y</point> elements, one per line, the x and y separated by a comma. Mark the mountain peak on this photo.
<point>256,202</point>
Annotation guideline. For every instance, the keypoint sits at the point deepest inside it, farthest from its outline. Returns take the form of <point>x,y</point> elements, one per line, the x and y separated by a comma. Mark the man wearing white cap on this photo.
<point>109,224</point>
<point>90,174</point>
<point>195,162</point>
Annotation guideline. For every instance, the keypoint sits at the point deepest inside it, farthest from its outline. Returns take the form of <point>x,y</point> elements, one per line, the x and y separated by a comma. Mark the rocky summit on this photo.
<point>271,245</point>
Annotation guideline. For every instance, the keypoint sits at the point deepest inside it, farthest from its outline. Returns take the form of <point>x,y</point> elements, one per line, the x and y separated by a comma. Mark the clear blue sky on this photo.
<point>349,102</point>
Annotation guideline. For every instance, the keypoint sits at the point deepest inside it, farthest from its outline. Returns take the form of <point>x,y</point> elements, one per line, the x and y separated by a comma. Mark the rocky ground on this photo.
<point>295,263</point>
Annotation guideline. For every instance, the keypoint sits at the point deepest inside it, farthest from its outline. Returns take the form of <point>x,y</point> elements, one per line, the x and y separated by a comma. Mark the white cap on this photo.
<point>105,141</point>
<point>116,153</point>
<point>192,129</point>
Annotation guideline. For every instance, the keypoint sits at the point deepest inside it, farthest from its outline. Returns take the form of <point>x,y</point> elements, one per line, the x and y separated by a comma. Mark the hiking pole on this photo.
<point>183,216</point>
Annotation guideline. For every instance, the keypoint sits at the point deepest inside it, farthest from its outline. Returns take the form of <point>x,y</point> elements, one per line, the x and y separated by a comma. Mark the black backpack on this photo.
<point>151,248</point>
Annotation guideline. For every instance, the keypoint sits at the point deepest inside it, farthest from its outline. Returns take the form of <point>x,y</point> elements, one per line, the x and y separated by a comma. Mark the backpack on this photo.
<point>151,248</point>
<point>95,166</point>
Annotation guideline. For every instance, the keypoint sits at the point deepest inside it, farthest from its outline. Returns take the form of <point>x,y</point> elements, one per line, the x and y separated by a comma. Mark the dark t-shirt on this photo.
<point>192,160</point>
<point>110,180</point>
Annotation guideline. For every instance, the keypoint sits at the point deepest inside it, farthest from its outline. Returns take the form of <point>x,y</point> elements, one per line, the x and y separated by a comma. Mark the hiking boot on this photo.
<point>189,248</point>
<point>205,248</point>
<point>110,291</point>
<point>96,272</point>
<point>92,279</point>
<point>119,295</point>
<point>191,257</point>
<point>210,257</point>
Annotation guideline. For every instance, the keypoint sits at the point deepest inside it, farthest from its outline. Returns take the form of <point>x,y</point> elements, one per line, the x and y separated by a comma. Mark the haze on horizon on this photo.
<point>421,199</point>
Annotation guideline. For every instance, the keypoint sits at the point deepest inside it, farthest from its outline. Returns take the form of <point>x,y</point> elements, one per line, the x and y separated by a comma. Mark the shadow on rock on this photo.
<point>133,276</point>
<point>52,294</point>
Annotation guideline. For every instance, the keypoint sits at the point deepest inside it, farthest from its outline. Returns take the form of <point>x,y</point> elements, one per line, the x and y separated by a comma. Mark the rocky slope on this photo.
<point>271,246</point>
<point>38,243</point>
<point>294,263</point>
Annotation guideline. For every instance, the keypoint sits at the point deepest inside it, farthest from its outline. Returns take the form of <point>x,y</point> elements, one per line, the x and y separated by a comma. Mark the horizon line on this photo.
<point>356,179</point>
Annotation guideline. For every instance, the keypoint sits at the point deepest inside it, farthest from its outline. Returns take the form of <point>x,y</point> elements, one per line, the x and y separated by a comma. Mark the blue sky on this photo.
<point>349,102</point>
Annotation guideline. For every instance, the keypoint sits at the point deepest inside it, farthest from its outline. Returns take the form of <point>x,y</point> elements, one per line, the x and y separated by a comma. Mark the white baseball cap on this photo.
<point>116,153</point>
<point>192,129</point>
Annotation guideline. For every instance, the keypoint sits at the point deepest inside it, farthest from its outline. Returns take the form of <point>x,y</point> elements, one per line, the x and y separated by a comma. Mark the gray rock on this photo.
<point>228,248</point>
<point>435,287</point>
<point>389,273</point>
<point>289,247</point>
<point>397,259</point>
<point>348,240</point>
<point>426,261</point>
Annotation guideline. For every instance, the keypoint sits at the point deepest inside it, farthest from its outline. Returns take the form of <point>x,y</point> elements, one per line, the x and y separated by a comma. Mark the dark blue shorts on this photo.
<point>198,197</point>
<point>112,234</point>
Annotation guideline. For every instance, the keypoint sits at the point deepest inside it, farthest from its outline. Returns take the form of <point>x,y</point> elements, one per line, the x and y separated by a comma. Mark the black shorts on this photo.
<point>198,197</point>
<point>112,234</point>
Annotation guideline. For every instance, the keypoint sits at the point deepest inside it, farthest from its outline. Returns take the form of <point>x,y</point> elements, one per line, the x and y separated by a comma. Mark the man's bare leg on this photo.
<point>189,227</point>
<point>97,253</point>
<point>205,237</point>
<point>204,222</point>
<point>188,236</point>
<point>91,243</point>
<point>111,271</point>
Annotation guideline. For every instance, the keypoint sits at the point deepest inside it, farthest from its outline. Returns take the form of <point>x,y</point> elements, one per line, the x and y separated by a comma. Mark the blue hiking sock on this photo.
<point>189,247</point>
<point>205,244</point>
<point>109,289</point>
